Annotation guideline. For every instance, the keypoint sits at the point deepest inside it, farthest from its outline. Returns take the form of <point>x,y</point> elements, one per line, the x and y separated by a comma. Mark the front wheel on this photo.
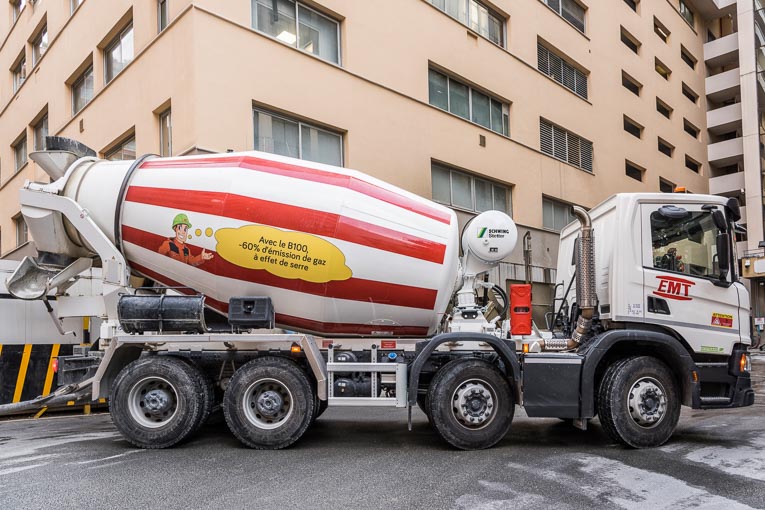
<point>471,404</point>
<point>639,402</point>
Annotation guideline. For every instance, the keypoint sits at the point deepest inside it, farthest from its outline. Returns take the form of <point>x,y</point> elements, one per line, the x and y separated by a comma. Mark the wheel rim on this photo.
<point>647,402</point>
<point>267,403</point>
<point>153,402</point>
<point>473,404</point>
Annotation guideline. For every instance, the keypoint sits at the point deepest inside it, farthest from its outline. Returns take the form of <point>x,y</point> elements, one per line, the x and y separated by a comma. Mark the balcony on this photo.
<point>723,86</point>
<point>722,51</point>
<point>726,152</point>
<point>726,183</point>
<point>725,119</point>
<point>713,8</point>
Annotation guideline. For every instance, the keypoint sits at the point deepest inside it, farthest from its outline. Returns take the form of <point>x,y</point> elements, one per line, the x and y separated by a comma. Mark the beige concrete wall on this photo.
<point>210,66</point>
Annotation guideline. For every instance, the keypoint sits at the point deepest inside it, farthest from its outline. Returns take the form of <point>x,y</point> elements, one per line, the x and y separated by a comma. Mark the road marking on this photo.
<point>22,373</point>
<point>747,460</point>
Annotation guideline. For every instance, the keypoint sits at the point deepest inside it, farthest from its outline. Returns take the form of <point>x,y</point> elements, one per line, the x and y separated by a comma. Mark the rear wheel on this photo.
<point>471,404</point>
<point>638,402</point>
<point>155,402</point>
<point>269,403</point>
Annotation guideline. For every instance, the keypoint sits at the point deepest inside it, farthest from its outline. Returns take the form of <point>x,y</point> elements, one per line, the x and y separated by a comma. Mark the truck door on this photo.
<point>681,277</point>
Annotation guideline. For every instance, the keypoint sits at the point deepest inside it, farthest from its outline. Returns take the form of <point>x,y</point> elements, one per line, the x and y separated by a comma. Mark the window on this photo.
<point>632,4</point>
<point>666,186</point>
<point>465,191</point>
<point>633,171</point>
<point>455,97</point>
<point>555,214</point>
<point>662,69</point>
<point>165,134</point>
<point>39,45</point>
<point>690,128</point>
<point>296,139</point>
<point>688,58</point>
<point>665,147</point>
<point>74,4</point>
<point>22,232</point>
<point>41,131</point>
<point>477,16</point>
<point>82,90</point>
<point>564,145</point>
<point>561,71</point>
<point>119,53</point>
<point>20,152</point>
<point>568,10</point>
<point>690,94</point>
<point>685,243</point>
<point>663,108</point>
<point>161,15</point>
<point>315,33</point>
<point>660,30</point>
<point>686,13</point>
<point>692,164</point>
<point>19,72</point>
<point>633,127</point>
<point>631,84</point>
<point>630,41</point>
<point>123,151</point>
<point>18,8</point>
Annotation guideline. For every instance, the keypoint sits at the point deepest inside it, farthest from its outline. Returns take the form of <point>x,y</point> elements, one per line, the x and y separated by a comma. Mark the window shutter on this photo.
<point>545,137</point>
<point>569,80</point>
<point>573,150</point>
<point>556,67</point>
<point>586,150</point>
<point>581,84</point>
<point>559,143</point>
<point>543,59</point>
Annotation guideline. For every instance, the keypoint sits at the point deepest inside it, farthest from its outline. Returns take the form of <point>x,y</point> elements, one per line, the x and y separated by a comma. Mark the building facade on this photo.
<point>526,106</point>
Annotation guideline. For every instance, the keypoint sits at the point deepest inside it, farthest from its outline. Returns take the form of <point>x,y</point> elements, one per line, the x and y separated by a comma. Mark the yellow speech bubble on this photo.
<point>283,253</point>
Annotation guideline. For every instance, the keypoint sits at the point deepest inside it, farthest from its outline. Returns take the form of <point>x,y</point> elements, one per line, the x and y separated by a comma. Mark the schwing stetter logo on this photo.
<point>671,287</point>
<point>494,233</point>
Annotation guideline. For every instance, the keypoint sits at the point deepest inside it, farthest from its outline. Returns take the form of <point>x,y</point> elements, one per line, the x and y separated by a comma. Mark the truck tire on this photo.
<point>318,409</point>
<point>639,402</point>
<point>423,404</point>
<point>205,390</point>
<point>156,402</point>
<point>471,404</point>
<point>269,403</point>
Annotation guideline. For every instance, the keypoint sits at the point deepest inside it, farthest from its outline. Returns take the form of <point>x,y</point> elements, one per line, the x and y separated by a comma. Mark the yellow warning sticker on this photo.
<point>283,253</point>
<point>722,320</point>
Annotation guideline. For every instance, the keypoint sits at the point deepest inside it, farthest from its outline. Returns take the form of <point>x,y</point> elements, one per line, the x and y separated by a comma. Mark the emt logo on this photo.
<point>674,288</point>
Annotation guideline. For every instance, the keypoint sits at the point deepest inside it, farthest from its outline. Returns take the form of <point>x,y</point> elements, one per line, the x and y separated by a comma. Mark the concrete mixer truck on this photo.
<point>275,287</point>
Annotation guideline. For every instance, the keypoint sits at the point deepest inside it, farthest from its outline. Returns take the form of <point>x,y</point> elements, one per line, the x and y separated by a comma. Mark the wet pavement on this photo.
<point>366,458</point>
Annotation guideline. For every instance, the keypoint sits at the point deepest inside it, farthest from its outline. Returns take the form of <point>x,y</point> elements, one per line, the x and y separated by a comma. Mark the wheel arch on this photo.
<point>504,350</point>
<point>613,345</point>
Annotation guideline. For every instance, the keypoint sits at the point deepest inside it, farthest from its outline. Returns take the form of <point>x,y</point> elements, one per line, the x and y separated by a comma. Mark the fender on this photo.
<point>673,352</point>
<point>505,350</point>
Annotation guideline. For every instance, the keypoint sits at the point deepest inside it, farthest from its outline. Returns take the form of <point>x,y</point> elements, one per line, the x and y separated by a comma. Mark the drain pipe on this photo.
<point>586,295</point>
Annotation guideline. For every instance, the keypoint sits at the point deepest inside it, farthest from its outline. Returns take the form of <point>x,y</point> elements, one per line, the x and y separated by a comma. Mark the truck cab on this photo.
<point>666,264</point>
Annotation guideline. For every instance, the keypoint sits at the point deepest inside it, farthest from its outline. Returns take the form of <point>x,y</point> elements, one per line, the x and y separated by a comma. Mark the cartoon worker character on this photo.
<point>175,247</point>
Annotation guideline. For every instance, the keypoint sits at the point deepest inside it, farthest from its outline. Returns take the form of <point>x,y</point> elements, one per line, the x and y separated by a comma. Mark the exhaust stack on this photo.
<point>586,295</point>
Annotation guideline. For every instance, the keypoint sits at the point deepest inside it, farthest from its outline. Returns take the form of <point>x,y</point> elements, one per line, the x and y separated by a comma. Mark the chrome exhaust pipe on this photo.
<point>586,296</point>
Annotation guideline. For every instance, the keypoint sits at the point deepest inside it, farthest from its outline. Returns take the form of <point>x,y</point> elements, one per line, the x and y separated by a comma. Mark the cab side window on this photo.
<point>684,242</point>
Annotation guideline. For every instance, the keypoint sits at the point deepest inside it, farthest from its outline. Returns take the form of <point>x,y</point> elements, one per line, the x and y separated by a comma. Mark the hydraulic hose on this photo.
<point>505,301</point>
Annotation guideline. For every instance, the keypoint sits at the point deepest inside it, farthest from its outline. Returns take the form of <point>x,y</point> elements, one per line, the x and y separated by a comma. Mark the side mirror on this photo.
<point>723,254</point>
<point>719,219</point>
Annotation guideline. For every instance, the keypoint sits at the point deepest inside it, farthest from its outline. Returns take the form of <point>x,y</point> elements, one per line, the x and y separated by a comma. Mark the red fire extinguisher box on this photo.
<point>520,309</point>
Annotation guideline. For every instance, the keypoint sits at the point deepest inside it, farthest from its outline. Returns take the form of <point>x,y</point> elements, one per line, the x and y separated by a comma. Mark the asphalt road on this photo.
<point>366,459</point>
